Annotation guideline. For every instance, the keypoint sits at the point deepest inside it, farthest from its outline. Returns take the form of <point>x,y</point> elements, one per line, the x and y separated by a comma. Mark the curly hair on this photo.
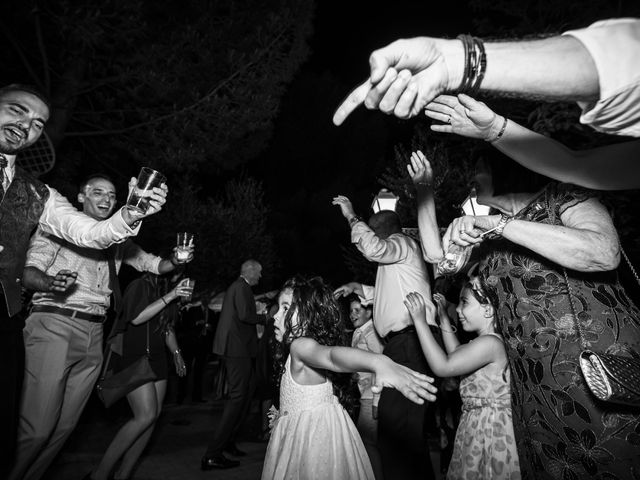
<point>319,318</point>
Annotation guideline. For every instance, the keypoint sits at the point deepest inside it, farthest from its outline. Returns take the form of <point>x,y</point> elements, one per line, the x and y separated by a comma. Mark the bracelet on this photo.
<point>353,220</point>
<point>475,64</point>
<point>455,329</point>
<point>177,352</point>
<point>500,133</point>
<point>497,231</point>
<point>164,301</point>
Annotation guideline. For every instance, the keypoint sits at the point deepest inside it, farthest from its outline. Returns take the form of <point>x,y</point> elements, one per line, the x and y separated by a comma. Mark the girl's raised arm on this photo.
<point>413,385</point>
<point>465,359</point>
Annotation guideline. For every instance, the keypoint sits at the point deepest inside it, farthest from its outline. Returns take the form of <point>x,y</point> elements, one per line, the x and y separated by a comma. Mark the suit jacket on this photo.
<point>236,333</point>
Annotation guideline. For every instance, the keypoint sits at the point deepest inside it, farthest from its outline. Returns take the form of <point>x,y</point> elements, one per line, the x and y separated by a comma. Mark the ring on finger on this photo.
<point>449,119</point>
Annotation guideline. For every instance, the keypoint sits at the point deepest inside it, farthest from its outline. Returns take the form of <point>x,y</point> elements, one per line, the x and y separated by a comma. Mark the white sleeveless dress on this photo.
<point>313,437</point>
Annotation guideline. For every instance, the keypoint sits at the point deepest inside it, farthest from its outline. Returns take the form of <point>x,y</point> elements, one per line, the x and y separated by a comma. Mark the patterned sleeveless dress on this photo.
<point>313,438</point>
<point>562,431</point>
<point>485,446</point>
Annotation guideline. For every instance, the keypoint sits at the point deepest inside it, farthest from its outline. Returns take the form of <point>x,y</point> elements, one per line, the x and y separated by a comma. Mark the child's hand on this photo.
<point>413,385</point>
<point>421,310</point>
<point>441,303</point>
<point>419,169</point>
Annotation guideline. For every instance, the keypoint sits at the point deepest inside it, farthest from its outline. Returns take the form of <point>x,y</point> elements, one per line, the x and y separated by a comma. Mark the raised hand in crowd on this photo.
<point>156,201</point>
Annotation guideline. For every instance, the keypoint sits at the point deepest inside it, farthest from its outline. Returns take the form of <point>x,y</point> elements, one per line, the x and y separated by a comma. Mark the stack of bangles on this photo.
<point>475,64</point>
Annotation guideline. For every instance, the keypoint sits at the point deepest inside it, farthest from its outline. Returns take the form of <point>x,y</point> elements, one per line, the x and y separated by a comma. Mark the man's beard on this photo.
<point>9,150</point>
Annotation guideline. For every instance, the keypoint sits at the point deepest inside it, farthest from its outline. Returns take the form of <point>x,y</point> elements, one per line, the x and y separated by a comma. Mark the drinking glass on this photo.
<point>188,284</point>
<point>454,259</point>
<point>140,194</point>
<point>184,241</point>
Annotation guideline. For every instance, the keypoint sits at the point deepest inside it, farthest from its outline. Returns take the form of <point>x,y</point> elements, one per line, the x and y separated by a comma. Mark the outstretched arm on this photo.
<point>407,74</point>
<point>161,303</point>
<point>465,359</point>
<point>421,174</point>
<point>612,167</point>
<point>413,385</point>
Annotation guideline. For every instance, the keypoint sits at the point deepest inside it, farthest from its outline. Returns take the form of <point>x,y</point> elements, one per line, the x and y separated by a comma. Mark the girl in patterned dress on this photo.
<point>313,437</point>
<point>485,446</point>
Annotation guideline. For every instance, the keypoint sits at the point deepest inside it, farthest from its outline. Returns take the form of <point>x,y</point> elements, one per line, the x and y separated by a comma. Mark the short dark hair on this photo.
<point>21,87</point>
<point>91,177</point>
<point>385,223</point>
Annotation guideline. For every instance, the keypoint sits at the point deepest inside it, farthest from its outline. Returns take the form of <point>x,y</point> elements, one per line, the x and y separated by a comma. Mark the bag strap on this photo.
<point>583,342</point>
<point>633,270</point>
<point>148,351</point>
<point>105,365</point>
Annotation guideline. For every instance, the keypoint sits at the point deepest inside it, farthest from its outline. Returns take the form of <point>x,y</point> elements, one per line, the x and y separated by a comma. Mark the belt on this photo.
<point>68,312</point>
<point>409,329</point>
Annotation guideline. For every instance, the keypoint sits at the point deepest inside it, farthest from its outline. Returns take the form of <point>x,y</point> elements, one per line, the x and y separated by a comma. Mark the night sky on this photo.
<point>310,160</point>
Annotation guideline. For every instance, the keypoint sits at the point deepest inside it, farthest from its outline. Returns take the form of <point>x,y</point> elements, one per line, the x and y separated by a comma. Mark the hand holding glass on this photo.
<point>185,288</point>
<point>185,246</point>
<point>140,194</point>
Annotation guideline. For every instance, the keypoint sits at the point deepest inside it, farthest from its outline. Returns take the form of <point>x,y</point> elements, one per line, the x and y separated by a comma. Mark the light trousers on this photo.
<point>62,363</point>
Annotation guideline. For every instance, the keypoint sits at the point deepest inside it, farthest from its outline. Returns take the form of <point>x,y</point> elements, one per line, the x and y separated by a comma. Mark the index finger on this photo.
<point>353,101</point>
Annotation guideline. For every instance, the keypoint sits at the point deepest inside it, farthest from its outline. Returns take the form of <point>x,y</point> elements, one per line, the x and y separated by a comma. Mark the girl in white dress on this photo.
<point>313,437</point>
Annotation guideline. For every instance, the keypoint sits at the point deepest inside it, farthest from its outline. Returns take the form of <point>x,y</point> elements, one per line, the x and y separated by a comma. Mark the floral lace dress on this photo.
<point>313,437</point>
<point>562,430</point>
<point>485,446</point>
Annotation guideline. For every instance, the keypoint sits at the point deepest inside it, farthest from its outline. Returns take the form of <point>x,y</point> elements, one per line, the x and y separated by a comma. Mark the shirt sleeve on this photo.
<point>393,249</point>
<point>61,219</point>
<point>42,251</point>
<point>614,46</point>
<point>368,295</point>
<point>134,256</point>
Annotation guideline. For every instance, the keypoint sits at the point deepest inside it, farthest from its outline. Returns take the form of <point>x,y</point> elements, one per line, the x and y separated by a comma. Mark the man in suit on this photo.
<point>236,342</point>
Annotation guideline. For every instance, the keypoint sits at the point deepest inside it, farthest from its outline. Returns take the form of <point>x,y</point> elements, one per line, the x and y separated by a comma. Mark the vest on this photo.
<point>20,212</point>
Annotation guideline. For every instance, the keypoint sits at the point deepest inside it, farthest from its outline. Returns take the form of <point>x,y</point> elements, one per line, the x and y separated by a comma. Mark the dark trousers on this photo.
<point>401,434</point>
<point>241,385</point>
<point>11,375</point>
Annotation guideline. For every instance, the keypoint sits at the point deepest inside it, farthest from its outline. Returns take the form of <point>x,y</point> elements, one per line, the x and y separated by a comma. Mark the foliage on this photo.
<point>229,229</point>
<point>178,85</point>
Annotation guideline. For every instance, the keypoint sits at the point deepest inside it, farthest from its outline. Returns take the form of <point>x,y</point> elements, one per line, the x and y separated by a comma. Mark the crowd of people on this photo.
<point>529,286</point>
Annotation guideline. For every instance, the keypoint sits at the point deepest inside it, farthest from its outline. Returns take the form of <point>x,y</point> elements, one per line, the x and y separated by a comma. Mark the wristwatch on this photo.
<point>497,231</point>
<point>353,220</point>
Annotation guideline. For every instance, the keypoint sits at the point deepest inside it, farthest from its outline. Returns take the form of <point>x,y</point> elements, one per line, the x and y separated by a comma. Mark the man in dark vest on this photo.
<point>236,341</point>
<point>26,203</point>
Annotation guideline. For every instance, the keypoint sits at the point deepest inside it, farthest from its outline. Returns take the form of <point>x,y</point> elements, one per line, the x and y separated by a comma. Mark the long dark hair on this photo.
<point>319,318</point>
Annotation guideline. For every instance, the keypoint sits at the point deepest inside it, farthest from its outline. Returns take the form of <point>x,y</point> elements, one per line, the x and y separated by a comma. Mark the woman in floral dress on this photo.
<point>554,253</point>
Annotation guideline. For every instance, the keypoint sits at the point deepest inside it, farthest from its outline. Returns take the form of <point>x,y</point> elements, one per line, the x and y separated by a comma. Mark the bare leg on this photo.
<point>144,404</point>
<point>132,455</point>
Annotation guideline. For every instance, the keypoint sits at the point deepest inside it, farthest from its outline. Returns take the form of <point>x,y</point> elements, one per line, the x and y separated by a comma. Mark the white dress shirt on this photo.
<point>91,291</point>
<point>366,338</point>
<point>614,46</point>
<point>63,220</point>
<point>401,270</point>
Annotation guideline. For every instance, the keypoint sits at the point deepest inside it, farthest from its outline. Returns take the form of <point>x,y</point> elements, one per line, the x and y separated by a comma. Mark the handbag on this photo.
<point>611,378</point>
<point>112,386</point>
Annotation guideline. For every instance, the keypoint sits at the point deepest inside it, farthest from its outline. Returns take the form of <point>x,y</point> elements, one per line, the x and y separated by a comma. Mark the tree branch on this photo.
<point>43,52</point>
<point>22,55</point>
<point>211,93</point>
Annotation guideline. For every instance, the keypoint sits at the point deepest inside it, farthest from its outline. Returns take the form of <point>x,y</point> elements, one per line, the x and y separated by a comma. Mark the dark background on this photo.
<point>233,102</point>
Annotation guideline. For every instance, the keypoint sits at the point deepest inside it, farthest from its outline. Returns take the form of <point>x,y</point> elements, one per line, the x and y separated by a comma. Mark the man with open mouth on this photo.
<point>26,203</point>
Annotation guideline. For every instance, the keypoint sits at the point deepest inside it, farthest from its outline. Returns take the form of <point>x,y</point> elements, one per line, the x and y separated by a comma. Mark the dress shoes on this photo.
<point>235,451</point>
<point>217,461</point>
